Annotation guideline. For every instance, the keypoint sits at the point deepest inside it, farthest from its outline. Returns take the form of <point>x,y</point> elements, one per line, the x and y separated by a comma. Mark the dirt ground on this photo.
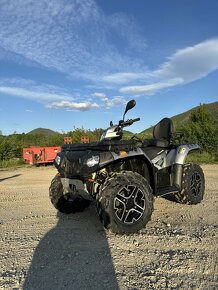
<point>43,249</point>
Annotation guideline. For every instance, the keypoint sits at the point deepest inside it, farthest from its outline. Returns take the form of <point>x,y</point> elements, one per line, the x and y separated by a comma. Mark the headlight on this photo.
<point>58,160</point>
<point>92,161</point>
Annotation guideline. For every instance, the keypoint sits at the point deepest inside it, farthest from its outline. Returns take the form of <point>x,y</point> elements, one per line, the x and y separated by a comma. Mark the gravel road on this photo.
<point>43,249</point>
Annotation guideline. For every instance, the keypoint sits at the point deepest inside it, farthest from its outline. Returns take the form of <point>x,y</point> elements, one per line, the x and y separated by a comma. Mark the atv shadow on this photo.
<point>73,255</point>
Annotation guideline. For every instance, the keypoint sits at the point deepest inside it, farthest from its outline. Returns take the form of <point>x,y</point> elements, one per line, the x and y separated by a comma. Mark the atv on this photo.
<point>124,176</point>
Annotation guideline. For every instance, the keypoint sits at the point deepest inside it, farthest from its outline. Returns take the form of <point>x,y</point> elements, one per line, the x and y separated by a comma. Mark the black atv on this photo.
<point>123,176</point>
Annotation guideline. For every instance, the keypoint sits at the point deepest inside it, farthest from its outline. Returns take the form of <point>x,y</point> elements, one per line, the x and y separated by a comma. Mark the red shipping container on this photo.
<point>40,155</point>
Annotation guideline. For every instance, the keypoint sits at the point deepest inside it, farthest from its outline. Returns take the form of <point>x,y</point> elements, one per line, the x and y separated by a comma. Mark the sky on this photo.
<point>68,64</point>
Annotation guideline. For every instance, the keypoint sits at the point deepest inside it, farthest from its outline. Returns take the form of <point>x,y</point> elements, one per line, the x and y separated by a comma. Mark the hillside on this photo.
<point>43,131</point>
<point>184,117</point>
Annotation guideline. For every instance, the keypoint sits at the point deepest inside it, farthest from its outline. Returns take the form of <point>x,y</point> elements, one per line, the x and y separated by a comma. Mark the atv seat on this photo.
<point>162,134</point>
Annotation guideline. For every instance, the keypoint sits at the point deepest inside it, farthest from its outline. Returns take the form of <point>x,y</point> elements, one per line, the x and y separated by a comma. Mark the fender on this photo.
<point>178,164</point>
<point>182,152</point>
<point>135,160</point>
<point>108,157</point>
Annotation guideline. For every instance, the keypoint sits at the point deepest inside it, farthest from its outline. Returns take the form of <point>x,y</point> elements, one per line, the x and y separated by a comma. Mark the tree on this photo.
<point>201,129</point>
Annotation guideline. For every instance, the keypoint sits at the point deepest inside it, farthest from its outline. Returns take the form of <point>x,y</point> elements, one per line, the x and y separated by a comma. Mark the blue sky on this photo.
<point>73,63</point>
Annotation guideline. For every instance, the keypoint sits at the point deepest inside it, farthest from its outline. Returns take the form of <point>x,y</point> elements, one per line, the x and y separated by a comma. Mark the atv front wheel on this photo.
<point>193,185</point>
<point>64,203</point>
<point>125,202</point>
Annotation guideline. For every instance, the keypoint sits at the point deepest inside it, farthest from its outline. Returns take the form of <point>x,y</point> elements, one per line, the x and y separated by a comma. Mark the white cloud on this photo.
<point>56,98</point>
<point>37,95</point>
<point>185,66</point>
<point>28,111</point>
<point>103,102</point>
<point>50,100</point>
<point>129,30</point>
<point>82,106</point>
<point>115,101</point>
<point>101,96</point>
<point>191,63</point>
<point>76,38</point>
<point>152,88</point>
<point>109,103</point>
<point>73,37</point>
<point>124,77</point>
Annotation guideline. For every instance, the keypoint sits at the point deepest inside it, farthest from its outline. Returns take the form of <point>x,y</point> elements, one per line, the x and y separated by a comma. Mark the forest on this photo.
<point>201,128</point>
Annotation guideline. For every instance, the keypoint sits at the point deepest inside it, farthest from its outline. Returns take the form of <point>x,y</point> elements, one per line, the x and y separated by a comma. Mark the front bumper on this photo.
<point>75,187</point>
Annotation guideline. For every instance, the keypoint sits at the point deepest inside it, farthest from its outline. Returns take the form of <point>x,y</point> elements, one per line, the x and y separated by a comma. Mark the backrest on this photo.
<point>163,130</point>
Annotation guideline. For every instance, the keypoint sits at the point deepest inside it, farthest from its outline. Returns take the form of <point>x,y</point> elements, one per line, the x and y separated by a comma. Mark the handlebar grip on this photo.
<point>130,122</point>
<point>136,120</point>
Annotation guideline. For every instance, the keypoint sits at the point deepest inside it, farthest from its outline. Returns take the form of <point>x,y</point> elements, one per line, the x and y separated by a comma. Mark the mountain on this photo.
<point>184,117</point>
<point>43,131</point>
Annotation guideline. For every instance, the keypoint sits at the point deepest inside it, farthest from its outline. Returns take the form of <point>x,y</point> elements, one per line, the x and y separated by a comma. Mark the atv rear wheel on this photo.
<point>64,203</point>
<point>193,185</point>
<point>125,202</point>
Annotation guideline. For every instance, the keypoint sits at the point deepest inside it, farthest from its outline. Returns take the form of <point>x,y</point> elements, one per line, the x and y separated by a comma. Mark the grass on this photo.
<point>11,163</point>
<point>202,158</point>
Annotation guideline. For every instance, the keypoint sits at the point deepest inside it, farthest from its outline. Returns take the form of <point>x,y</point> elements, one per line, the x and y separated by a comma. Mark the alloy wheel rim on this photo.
<point>129,204</point>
